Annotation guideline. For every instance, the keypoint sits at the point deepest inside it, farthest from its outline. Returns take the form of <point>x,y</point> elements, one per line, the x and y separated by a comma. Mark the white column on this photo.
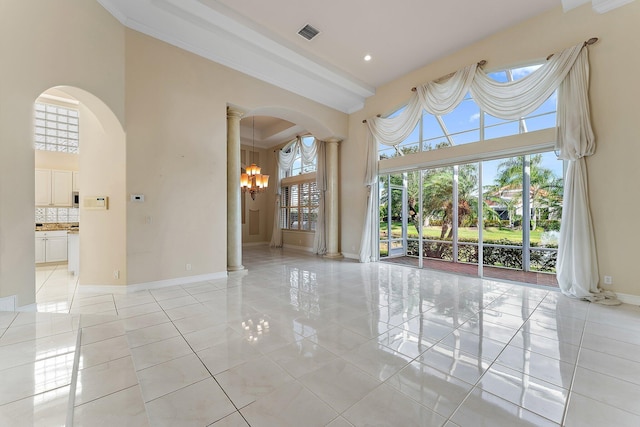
<point>234,218</point>
<point>332,205</point>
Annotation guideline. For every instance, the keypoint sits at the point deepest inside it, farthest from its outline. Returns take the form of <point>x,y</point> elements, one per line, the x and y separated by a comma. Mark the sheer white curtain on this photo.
<point>284,160</point>
<point>567,70</point>
<point>276,235</point>
<point>320,238</point>
<point>577,266</point>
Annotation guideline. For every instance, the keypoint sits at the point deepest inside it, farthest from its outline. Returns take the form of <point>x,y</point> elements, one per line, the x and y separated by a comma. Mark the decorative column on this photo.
<point>332,205</point>
<point>234,218</point>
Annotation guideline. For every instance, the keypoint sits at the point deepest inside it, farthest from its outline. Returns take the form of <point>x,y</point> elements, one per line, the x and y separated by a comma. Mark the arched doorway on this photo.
<point>100,170</point>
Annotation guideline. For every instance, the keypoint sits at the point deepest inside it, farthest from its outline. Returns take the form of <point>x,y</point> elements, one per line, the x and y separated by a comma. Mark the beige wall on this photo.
<point>176,140</point>
<point>44,44</point>
<point>614,96</point>
<point>102,172</point>
<point>175,105</point>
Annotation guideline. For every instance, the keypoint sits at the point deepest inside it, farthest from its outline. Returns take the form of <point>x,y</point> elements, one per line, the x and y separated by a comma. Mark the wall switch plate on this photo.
<point>139,198</point>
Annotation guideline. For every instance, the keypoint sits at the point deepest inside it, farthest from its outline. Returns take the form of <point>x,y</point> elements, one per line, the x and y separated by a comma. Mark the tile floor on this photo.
<point>305,341</point>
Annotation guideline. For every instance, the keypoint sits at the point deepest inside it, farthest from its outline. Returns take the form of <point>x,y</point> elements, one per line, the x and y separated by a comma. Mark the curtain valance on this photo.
<point>566,72</point>
<point>284,160</point>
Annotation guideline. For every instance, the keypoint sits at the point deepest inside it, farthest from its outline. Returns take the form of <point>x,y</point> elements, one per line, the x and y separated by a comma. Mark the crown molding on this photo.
<point>210,33</point>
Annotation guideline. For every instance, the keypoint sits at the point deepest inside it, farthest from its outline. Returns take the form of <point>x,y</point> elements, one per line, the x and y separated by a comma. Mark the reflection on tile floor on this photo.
<point>302,340</point>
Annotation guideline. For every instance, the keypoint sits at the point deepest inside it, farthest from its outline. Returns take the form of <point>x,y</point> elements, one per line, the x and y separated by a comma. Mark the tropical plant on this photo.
<point>545,189</point>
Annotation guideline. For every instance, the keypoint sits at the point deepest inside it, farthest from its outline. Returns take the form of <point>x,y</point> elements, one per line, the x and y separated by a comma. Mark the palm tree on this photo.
<point>545,188</point>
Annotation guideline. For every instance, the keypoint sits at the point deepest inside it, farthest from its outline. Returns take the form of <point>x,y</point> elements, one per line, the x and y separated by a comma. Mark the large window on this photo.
<point>299,167</point>
<point>433,216</point>
<point>467,123</point>
<point>56,128</point>
<point>299,205</point>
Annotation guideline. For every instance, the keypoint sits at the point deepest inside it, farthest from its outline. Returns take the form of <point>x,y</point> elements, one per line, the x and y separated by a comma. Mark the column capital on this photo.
<point>233,113</point>
<point>333,139</point>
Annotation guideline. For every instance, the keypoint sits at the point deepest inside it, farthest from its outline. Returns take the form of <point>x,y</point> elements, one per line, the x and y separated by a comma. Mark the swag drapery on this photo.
<point>284,161</point>
<point>568,71</point>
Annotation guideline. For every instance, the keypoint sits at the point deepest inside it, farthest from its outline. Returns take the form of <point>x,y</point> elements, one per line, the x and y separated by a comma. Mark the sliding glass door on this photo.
<point>496,218</point>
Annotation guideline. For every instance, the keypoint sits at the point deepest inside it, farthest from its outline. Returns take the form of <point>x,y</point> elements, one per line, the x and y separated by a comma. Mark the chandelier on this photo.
<point>252,181</point>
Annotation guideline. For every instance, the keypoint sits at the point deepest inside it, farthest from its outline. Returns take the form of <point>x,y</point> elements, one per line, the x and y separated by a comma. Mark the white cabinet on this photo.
<point>40,248</point>
<point>54,187</point>
<point>51,246</point>
<point>43,187</point>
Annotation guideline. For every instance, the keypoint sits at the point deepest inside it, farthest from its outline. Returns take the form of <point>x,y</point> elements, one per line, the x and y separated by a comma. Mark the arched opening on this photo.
<point>95,162</point>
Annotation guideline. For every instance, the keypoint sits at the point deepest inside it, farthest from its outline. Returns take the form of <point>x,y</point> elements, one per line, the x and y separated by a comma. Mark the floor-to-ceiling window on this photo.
<point>489,214</point>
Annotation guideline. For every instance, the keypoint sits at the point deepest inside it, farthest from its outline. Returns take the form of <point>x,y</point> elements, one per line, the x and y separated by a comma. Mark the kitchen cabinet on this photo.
<point>54,188</point>
<point>51,246</point>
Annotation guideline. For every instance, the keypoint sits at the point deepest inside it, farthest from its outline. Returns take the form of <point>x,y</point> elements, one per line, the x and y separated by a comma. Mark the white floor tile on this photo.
<point>385,404</point>
<point>432,388</point>
<point>608,390</point>
<point>122,408</point>
<point>158,352</point>
<point>289,405</point>
<point>533,394</point>
<point>348,344</point>
<point>167,377</point>
<point>586,412</point>
<point>482,408</point>
<point>42,410</point>
<point>339,383</point>
<point>614,366</point>
<point>104,379</point>
<point>197,405</point>
<point>103,351</point>
<point>251,380</point>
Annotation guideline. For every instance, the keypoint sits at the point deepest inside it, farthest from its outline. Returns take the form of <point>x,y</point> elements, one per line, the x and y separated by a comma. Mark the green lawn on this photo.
<point>489,233</point>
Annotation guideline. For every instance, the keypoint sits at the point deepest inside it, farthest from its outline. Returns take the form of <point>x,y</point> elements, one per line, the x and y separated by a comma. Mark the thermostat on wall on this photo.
<point>137,198</point>
<point>96,202</point>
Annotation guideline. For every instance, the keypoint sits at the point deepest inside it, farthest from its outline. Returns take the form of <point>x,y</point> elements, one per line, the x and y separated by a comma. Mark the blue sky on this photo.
<point>463,125</point>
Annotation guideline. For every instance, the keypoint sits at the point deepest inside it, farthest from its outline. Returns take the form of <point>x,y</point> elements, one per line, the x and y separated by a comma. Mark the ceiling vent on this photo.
<point>308,32</point>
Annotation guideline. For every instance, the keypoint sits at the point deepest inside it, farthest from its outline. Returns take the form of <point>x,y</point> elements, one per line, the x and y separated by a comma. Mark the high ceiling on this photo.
<point>260,38</point>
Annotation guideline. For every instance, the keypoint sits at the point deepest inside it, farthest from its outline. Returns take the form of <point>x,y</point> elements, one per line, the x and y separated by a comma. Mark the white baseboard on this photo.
<point>628,298</point>
<point>256,244</point>
<point>350,255</point>
<point>298,248</point>
<point>8,303</point>
<point>124,289</point>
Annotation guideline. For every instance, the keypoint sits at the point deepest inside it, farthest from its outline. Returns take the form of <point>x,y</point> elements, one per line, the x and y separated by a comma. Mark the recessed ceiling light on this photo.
<point>367,57</point>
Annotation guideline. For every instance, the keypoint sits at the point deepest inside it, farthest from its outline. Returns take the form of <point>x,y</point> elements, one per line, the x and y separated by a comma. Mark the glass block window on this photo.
<point>299,206</point>
<point>53,215</point>
<point>56,128</point>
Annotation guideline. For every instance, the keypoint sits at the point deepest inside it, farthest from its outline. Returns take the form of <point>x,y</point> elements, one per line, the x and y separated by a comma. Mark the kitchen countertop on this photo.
<point>71,227</point>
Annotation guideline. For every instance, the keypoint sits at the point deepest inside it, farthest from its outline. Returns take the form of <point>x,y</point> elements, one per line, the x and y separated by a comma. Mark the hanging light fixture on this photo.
<point>252,181</point>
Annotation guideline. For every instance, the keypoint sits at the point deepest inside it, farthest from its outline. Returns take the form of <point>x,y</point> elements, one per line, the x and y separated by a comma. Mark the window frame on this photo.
<point>286,208</point>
